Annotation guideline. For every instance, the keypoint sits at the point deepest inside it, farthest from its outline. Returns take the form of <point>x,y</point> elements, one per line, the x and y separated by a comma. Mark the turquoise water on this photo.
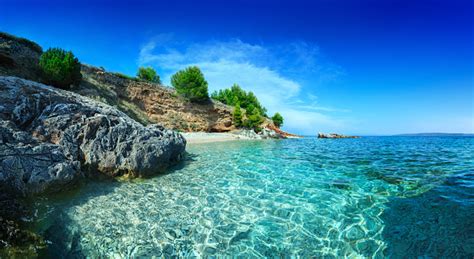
<point>369,197</point>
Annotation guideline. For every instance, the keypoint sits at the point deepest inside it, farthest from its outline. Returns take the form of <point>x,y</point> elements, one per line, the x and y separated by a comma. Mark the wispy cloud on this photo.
<point>269,72</point>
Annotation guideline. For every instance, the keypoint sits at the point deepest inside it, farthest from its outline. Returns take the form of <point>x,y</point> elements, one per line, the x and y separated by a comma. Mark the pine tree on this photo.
<point>191,84</point>
<point>277,119</point>
<point>237,115</point>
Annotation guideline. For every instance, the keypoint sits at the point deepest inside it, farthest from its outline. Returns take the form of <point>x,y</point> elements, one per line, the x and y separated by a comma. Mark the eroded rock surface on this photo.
<point>48,137</point>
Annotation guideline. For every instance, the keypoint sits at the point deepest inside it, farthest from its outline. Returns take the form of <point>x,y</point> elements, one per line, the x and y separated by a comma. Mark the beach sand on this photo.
<point>205,137</point>
<point>209,137</point>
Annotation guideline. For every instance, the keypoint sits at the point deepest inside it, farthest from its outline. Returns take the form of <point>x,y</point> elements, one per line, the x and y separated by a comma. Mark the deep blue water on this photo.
<point>368,197</point>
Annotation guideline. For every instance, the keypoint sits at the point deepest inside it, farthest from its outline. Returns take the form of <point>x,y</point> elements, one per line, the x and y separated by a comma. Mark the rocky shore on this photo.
<point>334,135</point>
<point>107,125</point>
<point>51,138</point>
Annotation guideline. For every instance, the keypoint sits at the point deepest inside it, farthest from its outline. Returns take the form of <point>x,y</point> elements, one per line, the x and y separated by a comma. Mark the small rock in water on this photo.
<point>355,233</point>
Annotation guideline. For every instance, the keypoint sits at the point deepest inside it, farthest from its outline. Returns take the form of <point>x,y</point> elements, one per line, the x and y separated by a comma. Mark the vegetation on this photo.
<point>32,45</point>
<point>237,115</point>
<point>236,95</point>
<point>254,120</point>
<point>277,119</point>
<point>123,76</point>
<point>191,84</point>
<point>60,68</point>
<point>148,74</point>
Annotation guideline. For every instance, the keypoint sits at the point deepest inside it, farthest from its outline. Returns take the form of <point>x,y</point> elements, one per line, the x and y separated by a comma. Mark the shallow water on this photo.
<point>375,196</point>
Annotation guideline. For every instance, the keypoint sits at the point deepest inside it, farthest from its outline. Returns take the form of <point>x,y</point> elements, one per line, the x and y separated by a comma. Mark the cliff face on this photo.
<point>19,57</point>
<point>143,101</point>
<point>152,103</point>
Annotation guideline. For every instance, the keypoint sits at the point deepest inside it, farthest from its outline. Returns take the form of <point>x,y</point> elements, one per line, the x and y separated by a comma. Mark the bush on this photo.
<point>60,68</point>
<point>277,119</point>
<point>237,115</point>
<point>148,74</point>
<point>237,95</point>
<point>191,84</point>
<point>254,120</point>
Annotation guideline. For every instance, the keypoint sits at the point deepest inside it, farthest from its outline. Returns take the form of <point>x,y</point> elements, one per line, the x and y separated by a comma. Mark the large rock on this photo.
<point>268,133</point>
<point>48,137</point>
<point>29,166</point>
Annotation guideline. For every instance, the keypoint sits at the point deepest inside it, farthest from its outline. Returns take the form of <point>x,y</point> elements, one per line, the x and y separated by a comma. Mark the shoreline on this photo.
<point>208,137</point>
<point>212,137</point>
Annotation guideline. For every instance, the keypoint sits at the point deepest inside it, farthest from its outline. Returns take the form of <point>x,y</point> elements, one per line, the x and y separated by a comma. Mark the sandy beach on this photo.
<point>204,137</point>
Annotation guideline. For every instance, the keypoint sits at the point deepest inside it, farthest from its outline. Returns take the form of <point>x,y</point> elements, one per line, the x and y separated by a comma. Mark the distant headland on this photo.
<point>436,134</point>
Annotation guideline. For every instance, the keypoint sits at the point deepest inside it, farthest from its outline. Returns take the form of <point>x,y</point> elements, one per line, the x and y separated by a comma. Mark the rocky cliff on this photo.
<point>19,57</point>
<point>153,103</point>
<point>143,101</point>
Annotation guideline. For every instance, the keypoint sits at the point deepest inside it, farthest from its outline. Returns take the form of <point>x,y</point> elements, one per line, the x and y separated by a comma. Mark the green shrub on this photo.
<point>237,95</point>
<point>277,119</point>
<point>254,120</point>
<point>60,68</point>
<point>237,115</point>
<point>148,74</point>
<point>191,84</point>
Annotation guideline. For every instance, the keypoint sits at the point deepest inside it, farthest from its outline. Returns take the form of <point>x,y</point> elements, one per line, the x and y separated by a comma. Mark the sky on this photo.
<point>352,67</point>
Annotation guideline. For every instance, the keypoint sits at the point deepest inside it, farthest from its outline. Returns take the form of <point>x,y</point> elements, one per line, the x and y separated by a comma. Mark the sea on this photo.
<point>373,197</point>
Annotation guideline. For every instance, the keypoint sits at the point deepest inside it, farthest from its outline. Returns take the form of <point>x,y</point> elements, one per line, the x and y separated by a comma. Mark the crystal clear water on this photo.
<point>375,196</point>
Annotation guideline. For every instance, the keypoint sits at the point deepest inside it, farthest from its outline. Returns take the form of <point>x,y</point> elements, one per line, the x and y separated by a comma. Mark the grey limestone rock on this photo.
<point>48,137</point>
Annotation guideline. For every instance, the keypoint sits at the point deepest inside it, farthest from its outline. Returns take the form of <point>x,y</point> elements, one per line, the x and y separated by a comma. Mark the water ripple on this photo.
<point>305,198</point>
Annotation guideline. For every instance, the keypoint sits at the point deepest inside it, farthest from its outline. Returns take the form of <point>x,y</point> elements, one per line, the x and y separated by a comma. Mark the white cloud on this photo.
<point>255,68</point>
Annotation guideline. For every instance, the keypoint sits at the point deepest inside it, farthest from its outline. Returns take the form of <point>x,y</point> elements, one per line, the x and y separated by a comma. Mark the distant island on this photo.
<point>436,134</point>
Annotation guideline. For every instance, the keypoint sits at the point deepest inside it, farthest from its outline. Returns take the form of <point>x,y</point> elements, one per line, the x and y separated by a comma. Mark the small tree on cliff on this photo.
<point>237,115</point>
<point>148,74</point>
<point>191,84</point>
<point>277,119</point>
<point>254,120</point>
<point>60,68</point>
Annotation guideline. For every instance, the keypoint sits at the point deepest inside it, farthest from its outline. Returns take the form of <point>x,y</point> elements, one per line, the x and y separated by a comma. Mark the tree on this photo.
<point>236,94</point>
<point>191,84</point>
<point>60,68</point>
<point>148,74</point>
<point>237,115</point>
<point>254,120</point>
<point>277,119</point>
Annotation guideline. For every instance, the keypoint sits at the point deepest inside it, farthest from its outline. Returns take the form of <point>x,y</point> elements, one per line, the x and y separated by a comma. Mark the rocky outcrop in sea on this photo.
<point>50,138</point>
<point>334,135</point>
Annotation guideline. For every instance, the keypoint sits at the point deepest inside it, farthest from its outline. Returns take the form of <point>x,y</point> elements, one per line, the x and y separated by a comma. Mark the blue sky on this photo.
<point>354,67</point>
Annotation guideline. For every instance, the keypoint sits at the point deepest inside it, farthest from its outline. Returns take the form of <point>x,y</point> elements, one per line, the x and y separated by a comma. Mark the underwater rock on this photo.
<point>14,241</point>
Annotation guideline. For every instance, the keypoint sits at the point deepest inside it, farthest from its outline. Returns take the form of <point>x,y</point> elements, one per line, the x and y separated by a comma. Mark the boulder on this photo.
<point>30,166</point>
<point>50,137</point>
<point>246,134</point>
<point>269,133</point>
